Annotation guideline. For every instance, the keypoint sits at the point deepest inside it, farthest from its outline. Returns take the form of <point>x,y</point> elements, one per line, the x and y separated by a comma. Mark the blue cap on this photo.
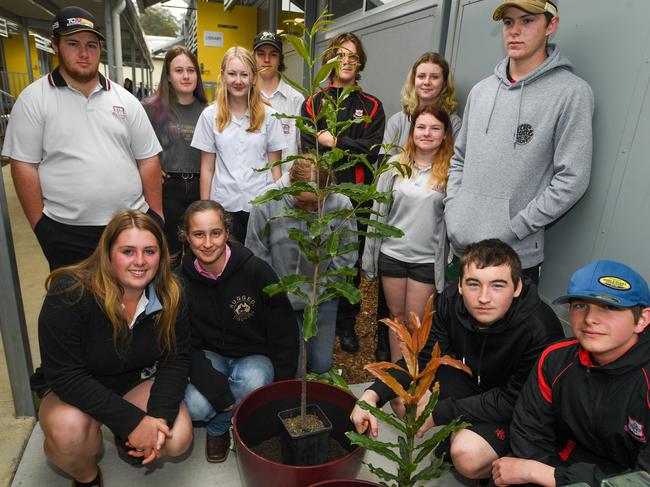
<point>609,282</point>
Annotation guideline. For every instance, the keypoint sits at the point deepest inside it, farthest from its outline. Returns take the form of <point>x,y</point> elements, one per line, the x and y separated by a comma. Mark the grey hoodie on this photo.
<point>522,158</point>
<point>283,254</point>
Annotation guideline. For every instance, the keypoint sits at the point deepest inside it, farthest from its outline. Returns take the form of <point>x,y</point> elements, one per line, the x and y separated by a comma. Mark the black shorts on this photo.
<point>389,267</point>
<point>456,384</point>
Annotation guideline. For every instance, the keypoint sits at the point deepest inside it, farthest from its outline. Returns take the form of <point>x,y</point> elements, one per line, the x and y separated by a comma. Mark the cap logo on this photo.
<point>615,283</point>
<point>265,36</point>
<point>550,8</point>
<point>605,298</point>
<point>79,20</point>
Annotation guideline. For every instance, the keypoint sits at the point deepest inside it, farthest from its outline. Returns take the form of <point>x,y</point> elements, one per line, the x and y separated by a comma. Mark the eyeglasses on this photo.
<point>351,58</point>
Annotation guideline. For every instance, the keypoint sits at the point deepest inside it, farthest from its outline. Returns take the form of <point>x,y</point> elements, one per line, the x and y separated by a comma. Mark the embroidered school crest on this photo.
<point>358,113</point>
<point>525,133</point>
<point>635,429</point>
<point>243,307</point>
<point>119,112</point>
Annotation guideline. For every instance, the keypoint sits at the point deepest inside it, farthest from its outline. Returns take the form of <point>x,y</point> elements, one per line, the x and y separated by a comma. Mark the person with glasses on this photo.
<point>358,138</point>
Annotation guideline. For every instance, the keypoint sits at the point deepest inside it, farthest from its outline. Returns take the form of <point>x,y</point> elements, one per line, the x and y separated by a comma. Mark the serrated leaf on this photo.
<point>382,474</point>
<point>427,446</point>
<point>380,447</point>
<point>433,471</point>
<point>382,416</point>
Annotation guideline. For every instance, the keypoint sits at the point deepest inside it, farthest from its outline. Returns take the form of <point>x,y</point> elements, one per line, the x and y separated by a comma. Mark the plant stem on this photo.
<point>303,385</point>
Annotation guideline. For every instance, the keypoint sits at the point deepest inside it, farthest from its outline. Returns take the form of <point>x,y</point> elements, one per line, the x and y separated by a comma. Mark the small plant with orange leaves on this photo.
<point>406,453</point>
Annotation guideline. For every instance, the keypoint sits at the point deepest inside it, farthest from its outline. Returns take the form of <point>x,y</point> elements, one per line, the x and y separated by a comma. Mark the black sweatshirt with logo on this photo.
<point>586,420</point>
<point>234,317</point>
<point>501,356</point>
<point>81,365</point>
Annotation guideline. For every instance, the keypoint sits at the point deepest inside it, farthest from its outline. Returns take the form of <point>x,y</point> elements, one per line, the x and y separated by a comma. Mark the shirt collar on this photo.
<point>201,270</point>
<point>56,79</point>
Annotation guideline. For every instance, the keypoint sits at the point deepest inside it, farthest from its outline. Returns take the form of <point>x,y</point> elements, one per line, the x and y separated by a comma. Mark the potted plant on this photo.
<point>406,453</point>
<point>321,244</point>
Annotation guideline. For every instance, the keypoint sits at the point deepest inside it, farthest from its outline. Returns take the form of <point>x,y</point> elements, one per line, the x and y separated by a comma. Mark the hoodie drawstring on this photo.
<point>494,104</point>
<point>480,361</point>
<point>521,96</point>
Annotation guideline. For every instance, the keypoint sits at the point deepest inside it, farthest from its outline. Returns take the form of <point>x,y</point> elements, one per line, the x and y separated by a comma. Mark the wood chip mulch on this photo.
<point>352,363</point>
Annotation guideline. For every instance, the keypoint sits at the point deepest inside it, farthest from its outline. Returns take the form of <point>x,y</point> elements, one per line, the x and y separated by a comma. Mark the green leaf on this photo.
<point>435,469</point>
<point>382,416</point>
<point>380,447</point>
<point>348,291</point>
<point>383,228</point>
<point>323,73</point>
<point>295,85</point>
<point>382,474</point>
<point>332,377</point>
<point>300,47</point>
<point>327,295</point>
<point>309,316</point>
<point>343,272</point>
<point>333,243</point>
<point>430,444</point>
<point>428,409</point>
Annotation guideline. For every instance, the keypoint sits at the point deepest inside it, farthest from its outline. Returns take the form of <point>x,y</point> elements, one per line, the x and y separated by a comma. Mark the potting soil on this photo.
<point>296,427</point>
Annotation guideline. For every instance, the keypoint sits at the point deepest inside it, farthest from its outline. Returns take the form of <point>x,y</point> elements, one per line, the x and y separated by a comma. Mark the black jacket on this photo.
<point>80,363</point>
<point>358,138</point>
<point>587,421</point>
<point>234,317</point>
<point>500,356</point>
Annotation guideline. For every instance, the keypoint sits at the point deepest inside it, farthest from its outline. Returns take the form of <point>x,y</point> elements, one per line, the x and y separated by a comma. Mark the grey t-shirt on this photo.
<point>418,211</point>
<point>178,156</point>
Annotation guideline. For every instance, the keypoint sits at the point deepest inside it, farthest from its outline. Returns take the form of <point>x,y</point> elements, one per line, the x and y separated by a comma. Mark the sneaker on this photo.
<point>349,341</point>
<point>217,447</point>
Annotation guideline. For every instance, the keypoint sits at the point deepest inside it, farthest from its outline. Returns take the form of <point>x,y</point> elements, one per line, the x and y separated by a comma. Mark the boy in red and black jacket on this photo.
<point>358,138</point>
<point>584,412</point>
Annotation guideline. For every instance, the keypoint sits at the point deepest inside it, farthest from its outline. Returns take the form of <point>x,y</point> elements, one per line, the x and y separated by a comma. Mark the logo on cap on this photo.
<point>266,36</point>
<point>79,20</point>
<point>615,283</point>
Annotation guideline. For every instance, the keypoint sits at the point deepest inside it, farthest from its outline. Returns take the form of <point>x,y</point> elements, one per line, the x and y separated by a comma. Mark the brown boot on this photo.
<point>216,447</point>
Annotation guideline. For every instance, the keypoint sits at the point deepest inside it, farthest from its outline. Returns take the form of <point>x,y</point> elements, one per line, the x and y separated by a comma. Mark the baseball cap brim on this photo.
<point>596,296</point>
<point>529,7</point>
<point>267,43</point>
<point>83,29</point>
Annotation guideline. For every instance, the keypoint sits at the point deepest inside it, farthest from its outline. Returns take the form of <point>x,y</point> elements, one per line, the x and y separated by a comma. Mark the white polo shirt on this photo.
<point>86,148</point>
<point>289,101</point>
<point>235,182</point>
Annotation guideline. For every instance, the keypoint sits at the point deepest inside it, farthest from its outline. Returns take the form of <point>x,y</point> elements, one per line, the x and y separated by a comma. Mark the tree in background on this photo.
<point>157,21</point>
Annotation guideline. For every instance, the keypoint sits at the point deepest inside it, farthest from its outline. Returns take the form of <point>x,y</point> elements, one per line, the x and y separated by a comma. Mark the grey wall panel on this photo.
<point>393,38</point>
<point>610,49</point>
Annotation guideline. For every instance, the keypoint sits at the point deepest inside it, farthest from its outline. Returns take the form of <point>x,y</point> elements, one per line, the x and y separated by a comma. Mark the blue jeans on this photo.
<point>244,376</point>
<point>321,347</point>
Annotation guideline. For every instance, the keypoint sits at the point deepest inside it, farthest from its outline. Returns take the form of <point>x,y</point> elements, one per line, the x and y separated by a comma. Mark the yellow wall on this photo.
<point>16,61</point>
<point>209,17</point>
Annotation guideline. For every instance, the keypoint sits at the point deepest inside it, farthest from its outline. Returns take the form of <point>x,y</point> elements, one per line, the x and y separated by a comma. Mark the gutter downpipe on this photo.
<point>117,40</point>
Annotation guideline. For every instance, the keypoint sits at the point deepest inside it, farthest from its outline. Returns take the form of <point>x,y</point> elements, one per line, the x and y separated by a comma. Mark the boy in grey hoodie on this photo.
<point>523,155</point>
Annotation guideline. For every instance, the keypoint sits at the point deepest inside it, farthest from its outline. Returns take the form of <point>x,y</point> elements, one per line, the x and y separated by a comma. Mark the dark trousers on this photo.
<point>179,190</point>
<point>239,225</point>
<point>65,244</point>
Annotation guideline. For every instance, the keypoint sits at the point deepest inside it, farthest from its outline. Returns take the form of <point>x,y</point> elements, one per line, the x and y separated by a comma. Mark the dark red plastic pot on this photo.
<point>256,420</point>
<point>345,483</point>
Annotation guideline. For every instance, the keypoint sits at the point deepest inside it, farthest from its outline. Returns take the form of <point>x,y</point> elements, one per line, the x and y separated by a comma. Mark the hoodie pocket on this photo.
<point>472,217</point>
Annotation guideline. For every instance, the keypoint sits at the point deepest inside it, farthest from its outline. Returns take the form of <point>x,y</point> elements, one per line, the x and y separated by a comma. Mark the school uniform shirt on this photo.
<point>81,365</point>
<point>289,101</point>
<point>589,421</point>
<point>86,148</point>
<point>238,153</point>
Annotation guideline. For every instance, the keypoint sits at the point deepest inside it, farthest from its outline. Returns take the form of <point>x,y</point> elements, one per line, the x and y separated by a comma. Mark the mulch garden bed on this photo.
<point>353,363</point>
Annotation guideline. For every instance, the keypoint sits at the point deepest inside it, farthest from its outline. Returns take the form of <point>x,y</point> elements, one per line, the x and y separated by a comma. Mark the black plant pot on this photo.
<point>308,448</point>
